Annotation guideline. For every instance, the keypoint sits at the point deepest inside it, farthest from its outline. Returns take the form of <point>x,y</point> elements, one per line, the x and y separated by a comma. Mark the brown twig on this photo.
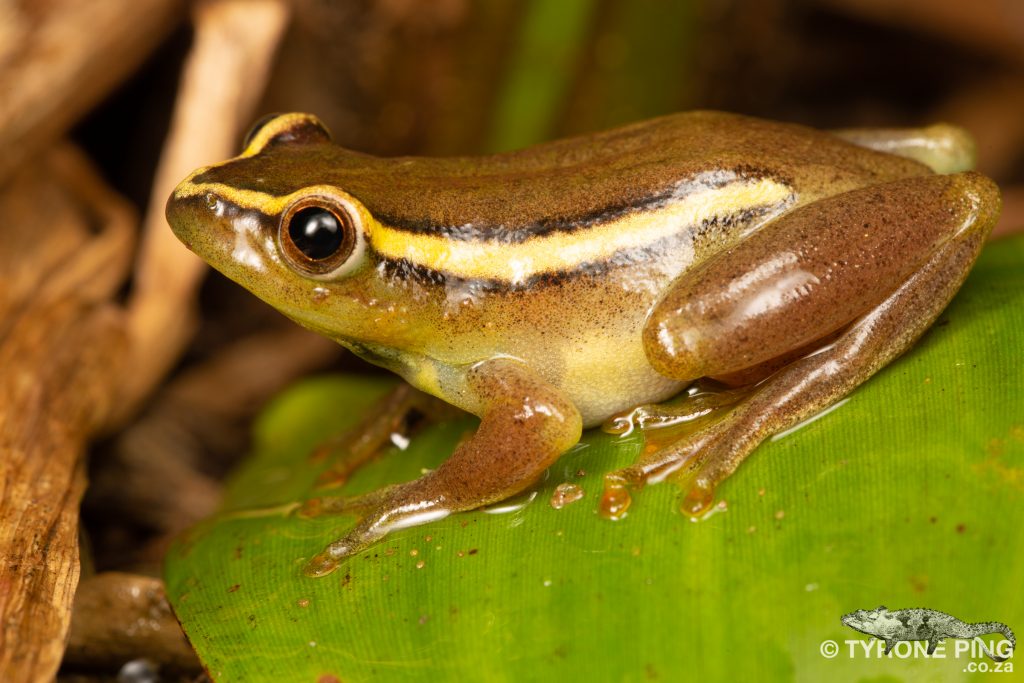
<point>61,348</point>
<point>226,69</point>
<point>59,58</point>
<point>74,361</point>
<point>119,617</point>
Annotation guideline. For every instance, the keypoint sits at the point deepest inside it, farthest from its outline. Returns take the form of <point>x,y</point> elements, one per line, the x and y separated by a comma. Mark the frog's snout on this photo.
<point>181,212</point>
<point>198,220</point>
<point>174,213</point>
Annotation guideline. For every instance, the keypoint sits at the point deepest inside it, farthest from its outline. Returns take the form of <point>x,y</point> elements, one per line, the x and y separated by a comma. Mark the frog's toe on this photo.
<point>366,532</point>
<point>342,505</point>
<point>381,512</point>
<point>701,401</point>
<point>321,565</point>
<point>401,411</point>
<point>679,460</point>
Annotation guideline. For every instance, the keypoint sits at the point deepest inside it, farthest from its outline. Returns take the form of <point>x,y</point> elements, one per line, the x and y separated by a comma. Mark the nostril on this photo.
<point>214,203</point>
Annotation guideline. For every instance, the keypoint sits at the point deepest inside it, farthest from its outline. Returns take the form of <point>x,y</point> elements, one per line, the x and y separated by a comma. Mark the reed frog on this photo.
<point>549,289</point>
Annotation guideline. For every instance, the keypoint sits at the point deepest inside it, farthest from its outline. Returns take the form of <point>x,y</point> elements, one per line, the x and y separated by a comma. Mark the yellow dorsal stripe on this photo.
<point>565,251</point>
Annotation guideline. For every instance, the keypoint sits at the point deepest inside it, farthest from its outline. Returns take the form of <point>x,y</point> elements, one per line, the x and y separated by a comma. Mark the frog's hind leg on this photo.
<point>942,147</point>
<point>909,243</point>
<point>701,400</point>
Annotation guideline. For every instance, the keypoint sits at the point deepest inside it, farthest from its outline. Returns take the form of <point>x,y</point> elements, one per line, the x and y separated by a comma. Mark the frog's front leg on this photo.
<point>877,264</point>
<point>525,425</point>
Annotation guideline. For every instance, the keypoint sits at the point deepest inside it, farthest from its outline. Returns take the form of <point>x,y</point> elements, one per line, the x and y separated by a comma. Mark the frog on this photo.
<point>563,286</point>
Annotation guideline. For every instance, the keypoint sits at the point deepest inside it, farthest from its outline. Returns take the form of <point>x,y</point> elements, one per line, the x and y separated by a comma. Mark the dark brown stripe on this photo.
<point>403,269</point>
<point>501,234</point>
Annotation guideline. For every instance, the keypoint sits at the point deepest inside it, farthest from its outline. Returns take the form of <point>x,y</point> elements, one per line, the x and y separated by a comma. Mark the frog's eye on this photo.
<point>285,129</point>
<point>320,238</point>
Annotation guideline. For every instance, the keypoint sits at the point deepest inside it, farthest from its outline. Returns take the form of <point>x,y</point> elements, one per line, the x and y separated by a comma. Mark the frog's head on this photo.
<point>274,220</point>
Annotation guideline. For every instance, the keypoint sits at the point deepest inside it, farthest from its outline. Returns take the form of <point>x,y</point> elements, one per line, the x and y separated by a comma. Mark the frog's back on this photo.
<point>579,181</point>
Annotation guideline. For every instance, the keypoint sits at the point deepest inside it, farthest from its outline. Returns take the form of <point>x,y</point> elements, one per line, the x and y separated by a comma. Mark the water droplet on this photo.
<point>564,494</point>
<point>698,500</point>
<point>513,504</point>
<point>615,500</point>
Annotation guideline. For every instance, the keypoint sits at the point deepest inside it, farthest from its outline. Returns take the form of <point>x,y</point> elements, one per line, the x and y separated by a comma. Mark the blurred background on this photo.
<point>461,77</point>
<point>444,77</point>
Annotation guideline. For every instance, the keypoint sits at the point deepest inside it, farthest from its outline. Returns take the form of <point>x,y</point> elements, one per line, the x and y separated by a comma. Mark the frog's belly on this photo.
<point>606,377</point>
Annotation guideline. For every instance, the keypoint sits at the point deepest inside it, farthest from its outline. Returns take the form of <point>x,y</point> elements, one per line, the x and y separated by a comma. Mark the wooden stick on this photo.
<point>119,617</point>
<point>59,58</point>
<point>235,41</point>
<point>61,347</point>
<point>74,361</point>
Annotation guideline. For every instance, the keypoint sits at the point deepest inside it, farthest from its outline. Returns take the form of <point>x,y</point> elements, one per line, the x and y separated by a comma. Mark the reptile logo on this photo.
<point>922,624</point>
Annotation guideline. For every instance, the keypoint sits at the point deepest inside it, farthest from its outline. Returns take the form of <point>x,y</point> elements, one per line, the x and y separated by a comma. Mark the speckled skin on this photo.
<point>752,239</point>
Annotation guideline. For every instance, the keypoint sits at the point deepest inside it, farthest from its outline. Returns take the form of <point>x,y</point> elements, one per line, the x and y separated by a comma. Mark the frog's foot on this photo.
<point>525,425</point>
<point>700,400</point>
<point>398,412</point>
<point>674,433</point>
<point>387,509</point>
<point>940,246</point>
<point>660,460</point>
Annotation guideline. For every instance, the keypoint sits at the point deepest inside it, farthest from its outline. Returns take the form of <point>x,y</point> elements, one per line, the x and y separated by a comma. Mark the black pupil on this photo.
<point>317,233</point>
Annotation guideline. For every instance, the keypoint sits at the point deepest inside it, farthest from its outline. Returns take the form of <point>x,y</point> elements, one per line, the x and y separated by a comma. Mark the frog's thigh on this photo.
<point>525,425</point>
<point>808,385</point>
<point>942,147</point>
<point>809,273</point>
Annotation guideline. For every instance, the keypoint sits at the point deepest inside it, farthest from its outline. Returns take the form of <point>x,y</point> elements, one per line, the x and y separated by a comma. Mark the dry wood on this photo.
<point>59,58</point>
<point>119,617</point>
<point>235,41</point>
<point>74,362</point>
<point>61,348</point>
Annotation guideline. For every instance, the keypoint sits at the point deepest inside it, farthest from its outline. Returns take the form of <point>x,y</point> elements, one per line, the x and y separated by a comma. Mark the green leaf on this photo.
<point>550,41</point>
<point>908,495</point>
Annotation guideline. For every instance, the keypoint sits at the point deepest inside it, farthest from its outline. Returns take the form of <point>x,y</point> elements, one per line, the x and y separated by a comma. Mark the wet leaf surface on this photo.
<point>909,494</point>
